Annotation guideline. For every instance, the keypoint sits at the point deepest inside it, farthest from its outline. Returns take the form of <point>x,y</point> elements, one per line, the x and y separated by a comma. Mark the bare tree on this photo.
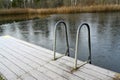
<point>24,3</point>
<point>75,2</point>
<point>117,1</point>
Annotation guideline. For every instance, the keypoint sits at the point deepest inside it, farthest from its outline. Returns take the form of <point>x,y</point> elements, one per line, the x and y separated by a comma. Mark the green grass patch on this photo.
<point>1,78</point>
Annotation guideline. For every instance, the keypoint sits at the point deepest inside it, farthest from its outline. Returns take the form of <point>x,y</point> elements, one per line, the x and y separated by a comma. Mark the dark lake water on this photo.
<point>105,35</point>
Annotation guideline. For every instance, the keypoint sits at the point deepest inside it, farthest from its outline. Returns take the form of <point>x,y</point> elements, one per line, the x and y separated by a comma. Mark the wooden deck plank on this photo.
<point>85,76</point>
<point>92,67</point>
<point>69,68</point>
<point>26,67</point>
<point>28,50</point>
<point>11,65</point>
<point>51,73</point>
<point>37,48</point>
<point>44,57</point>
<point>95,74</point>
<point>110,74</point>
<point>31,62</point>
<point>59,77</point>
<point>25,57</point>
<point>16,66</point>
<point>27,77</point>
<point>63,73</point>
<point>34,65</point>
<point>34,49</point>
<point>7,73</point>
<point>12,72</point>
<point>16,61</point>
<point>40,57</point>
<point>39,76</point>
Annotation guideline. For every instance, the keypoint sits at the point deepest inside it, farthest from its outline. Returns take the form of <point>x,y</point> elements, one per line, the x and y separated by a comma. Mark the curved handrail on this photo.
<point>54,45</point>
<point>77,43</point>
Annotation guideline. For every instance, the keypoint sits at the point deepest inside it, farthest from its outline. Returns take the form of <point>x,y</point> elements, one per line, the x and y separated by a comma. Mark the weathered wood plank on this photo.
<point>26,67</point>
<point>13,72</point>
<point>51,73</point>
<point>27,77</point>
<point>16,61</point>
<point>28,49</point>
<point>35,66</point>
<point>111,75</point>
<point>25,57</point>
<point>22,58</point>
<point>7,73</point>
<point>11,66</point>
<point>92,67</point>
<point>44,55</point>
<point>30,45</point>
<point>37,60</point>
<point>69,68</point>
<point>31,62</point>
<point>63,73</point>
<point>39,76</point>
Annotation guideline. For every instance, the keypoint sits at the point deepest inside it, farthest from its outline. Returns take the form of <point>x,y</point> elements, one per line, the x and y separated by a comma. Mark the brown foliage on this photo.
<point>62,10</point>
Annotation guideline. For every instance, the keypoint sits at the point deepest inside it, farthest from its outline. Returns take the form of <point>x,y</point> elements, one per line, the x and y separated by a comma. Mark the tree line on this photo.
<point>52,3</point>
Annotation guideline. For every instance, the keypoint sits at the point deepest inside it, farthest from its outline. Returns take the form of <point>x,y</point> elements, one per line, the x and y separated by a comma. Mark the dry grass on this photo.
<point>95,8</point>
<point>63,10</point>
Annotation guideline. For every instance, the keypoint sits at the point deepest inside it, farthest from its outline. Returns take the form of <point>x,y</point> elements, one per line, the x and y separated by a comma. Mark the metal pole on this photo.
<point>77,43</point>
<point>67,42</point>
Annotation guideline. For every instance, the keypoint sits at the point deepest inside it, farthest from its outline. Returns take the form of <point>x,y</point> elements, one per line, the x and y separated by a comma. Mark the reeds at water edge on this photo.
<point>62,10</point>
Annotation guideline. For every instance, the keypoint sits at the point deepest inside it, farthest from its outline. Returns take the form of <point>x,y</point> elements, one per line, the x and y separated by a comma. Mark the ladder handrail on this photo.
<point>77,43</point>
<point>66,32</point>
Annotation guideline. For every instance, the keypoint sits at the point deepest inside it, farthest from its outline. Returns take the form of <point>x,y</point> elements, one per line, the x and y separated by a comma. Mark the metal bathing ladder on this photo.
<point>66,33</point>
<point>77,43</point>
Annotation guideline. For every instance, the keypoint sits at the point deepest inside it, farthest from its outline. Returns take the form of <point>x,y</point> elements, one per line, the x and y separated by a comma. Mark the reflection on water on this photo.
<point>30,31</point>
<point>11,18</point>
<point>105,35</point>
<point>17,32</point>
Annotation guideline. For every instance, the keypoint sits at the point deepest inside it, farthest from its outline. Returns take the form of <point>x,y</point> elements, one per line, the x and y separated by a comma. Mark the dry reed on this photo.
<point>63,10</point>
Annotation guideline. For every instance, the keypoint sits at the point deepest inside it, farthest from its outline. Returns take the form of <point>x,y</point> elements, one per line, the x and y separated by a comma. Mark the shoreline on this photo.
<point>61,10</point>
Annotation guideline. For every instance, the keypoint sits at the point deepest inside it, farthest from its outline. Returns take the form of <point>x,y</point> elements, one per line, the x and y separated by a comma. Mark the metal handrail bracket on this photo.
<point>77,43</point>
<point>67,42</point>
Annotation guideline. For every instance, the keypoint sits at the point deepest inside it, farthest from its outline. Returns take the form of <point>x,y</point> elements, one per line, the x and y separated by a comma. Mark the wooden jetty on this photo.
<point>20,60</point>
